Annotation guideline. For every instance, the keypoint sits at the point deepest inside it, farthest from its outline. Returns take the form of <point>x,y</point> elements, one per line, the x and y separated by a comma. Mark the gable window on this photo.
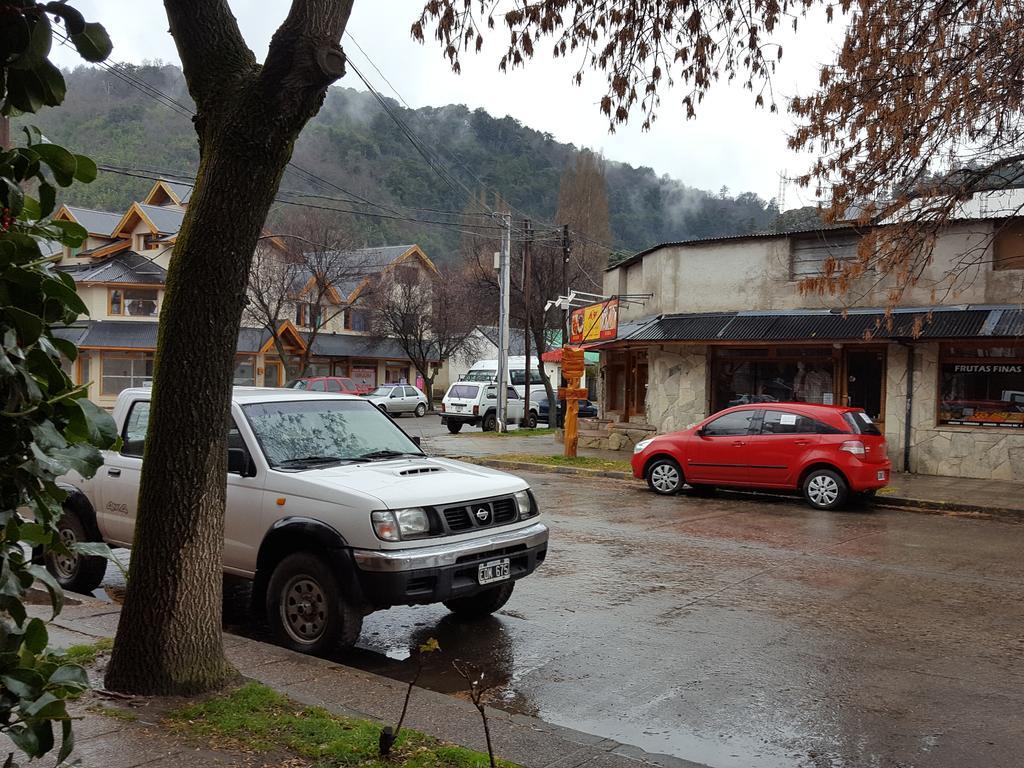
<point>301,309</point>
<point>357,320</point>
<point>1008,248</point>
<point>808,254</point>
<point>134,302</point>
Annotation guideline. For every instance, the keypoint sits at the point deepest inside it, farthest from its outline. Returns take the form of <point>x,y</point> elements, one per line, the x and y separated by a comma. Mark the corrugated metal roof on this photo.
<point>95,222</point>
<point>166,218</point>
<point>181,189</point>
<point>353,345</point>
<point>123,267</point>
<point>809,325</point>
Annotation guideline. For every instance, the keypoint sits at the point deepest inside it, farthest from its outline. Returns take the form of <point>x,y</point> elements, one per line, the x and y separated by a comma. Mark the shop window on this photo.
<point>982,387</point>
<point>364,375</point>
<point>121,372</point>
<point>1008,249</point>
<point>737,380</point>
<point>394,374</point>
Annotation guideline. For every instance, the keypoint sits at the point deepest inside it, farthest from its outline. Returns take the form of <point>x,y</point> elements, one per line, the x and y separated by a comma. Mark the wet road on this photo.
<point>742,632</point>
<point>739,632</point>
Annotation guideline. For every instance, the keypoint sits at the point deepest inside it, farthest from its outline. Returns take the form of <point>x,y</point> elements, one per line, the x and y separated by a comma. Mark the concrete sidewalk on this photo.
<point>932,492</point>
<point>527,741</point>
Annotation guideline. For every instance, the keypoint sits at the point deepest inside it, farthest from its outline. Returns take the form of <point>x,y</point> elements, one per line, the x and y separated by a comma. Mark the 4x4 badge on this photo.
<point>482,514</point>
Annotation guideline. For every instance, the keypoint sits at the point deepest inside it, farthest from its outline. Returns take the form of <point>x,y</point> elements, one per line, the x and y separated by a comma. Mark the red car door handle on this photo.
<point>738,443</point>
<point>800,442</point>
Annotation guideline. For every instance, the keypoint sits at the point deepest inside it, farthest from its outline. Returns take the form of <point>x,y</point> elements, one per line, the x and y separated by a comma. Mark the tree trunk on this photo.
<point>169,637</point>
<point>539,343</point>
<point>428,384</point>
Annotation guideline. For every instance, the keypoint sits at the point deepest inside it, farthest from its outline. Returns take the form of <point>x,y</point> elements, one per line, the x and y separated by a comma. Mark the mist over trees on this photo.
<point>352,142</point>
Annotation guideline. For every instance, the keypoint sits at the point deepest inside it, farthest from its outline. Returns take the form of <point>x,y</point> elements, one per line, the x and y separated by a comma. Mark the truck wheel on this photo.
<point>421,410</point>
<point>490,423</point>
<point>481,604</point>
<point>825,489</point>
<point>531,420</point>
<point>306,609</point>
<point>75,572</point>
<point>455,427</point>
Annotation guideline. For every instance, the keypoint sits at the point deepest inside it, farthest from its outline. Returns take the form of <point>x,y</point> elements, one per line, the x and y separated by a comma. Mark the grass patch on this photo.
<point>266,721</point>
<point>541,432</point>
<point>585,462</point>
<point>114,712</point>
<point>86,654</point>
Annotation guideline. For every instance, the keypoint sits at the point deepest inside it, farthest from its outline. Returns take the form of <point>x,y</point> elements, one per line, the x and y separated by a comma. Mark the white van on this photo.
<point>487,370</point>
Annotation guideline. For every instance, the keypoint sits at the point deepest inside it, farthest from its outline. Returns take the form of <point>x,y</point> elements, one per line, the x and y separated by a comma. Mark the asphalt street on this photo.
<point>744,631</point>
<point>750,632</point>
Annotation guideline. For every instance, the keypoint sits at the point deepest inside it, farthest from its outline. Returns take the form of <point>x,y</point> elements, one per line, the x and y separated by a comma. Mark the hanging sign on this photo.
<point>596,322</point>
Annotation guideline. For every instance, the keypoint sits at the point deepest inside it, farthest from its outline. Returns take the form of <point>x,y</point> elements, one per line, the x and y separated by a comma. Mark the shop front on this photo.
<point>948,393</point>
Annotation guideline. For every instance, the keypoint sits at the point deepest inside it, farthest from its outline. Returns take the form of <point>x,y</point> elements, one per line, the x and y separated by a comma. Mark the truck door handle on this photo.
<point>114,472</point>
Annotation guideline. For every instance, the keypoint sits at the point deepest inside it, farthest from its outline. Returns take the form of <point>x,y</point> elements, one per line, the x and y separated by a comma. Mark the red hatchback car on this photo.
<point>826,452</point>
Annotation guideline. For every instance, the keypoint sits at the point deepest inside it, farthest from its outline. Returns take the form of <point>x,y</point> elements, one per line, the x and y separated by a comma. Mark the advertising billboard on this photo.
<point>596,322</point>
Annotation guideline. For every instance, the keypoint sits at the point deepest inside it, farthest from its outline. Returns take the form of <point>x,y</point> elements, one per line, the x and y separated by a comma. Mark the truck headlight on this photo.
<point>642,444</point>
<point>525,504</point>
<point>398,524</point>
<point>412,522</point>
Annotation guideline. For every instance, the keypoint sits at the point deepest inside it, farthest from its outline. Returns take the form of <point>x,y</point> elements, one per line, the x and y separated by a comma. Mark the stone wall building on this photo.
<point>726,324</point>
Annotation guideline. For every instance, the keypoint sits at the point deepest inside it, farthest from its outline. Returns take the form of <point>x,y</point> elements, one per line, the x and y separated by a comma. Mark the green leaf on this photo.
<point>56,593</point>
<point>86,170</point>
<point>47,199</point>
<point>61,162</point>
<point>14,35</point>
<point>93,43</point>
<point>13,196</point>
<point>29,326</point>
<point>91,423</point>
<point>54,87</point>
<point>34,533</point>
<point>23,683</point>
<point>35,636</point>
<point>70,675</point>
<point>25,739</point>
<point>40,41</point>
<point>67,744</point>
<point>25,91</point>
<point>72,233</point>
<point>33,134</point>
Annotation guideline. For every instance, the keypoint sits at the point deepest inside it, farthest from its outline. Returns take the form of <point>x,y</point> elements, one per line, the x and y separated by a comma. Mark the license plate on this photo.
<point>881,474</point>
<point>495,570</point>
<point>458,407</point>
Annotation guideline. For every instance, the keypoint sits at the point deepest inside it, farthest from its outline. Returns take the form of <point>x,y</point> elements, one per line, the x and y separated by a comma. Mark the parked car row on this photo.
<point>390,398</point>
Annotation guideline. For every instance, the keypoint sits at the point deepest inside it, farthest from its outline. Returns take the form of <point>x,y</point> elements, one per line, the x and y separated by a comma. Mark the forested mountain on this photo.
<point>355,144</point>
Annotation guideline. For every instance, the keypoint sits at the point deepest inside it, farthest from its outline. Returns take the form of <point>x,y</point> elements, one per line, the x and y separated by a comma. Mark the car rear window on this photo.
<point>464,391</point>
<point>861,423</point>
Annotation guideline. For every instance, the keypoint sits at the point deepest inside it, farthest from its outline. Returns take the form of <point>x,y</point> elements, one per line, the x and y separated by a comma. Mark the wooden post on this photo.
<point>572,370</point>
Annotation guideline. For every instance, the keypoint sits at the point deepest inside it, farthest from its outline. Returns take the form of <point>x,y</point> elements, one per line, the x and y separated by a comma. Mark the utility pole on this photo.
<point>566,252</point>
<point>527,280</point>
<point>503,292</point>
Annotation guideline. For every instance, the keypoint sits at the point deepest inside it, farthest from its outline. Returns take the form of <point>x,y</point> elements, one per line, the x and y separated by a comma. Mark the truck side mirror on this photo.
<point>238,462</point>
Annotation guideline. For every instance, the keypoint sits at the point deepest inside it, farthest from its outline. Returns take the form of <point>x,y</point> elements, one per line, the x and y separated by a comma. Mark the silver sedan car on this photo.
<point>399,398</point>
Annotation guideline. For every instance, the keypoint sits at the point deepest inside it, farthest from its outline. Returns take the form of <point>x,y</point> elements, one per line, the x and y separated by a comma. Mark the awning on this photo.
<point>964,322</point>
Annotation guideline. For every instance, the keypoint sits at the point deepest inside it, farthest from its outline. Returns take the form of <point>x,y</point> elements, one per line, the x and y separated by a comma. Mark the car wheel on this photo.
<point>481,604</point>
<point>421,410</point>
<point>306,608</point>
<point>825,489</point>
<point>490,423</point>
<point>664,476</point>
<point>531,420</point>
<point>383,408</point>
<point>73,571</point>
<point>455,427</point>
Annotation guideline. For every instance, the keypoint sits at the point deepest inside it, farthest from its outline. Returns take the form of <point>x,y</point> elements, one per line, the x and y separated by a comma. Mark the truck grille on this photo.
<point>485,513</point>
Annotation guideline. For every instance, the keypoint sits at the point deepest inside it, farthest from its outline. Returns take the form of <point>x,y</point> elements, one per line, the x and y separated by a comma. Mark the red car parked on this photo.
<point>827,452</point>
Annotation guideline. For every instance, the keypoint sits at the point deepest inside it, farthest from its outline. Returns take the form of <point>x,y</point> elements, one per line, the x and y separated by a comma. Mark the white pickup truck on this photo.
<point>333,512</point>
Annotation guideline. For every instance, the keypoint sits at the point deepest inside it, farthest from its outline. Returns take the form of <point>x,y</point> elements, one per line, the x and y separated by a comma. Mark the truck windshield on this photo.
<point>307,433</point>
<point>485,375</point>
<point>464,391</point>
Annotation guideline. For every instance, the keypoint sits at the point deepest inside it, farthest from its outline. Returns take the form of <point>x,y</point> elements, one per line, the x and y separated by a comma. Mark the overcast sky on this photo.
<point>730,143</point>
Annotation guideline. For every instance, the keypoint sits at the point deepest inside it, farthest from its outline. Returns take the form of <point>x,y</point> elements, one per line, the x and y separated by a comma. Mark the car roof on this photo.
<point>243,395</point>
<point>812,407</point>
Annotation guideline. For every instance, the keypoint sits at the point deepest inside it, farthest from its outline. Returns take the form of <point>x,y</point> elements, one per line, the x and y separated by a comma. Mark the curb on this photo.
<point>929,506</point>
